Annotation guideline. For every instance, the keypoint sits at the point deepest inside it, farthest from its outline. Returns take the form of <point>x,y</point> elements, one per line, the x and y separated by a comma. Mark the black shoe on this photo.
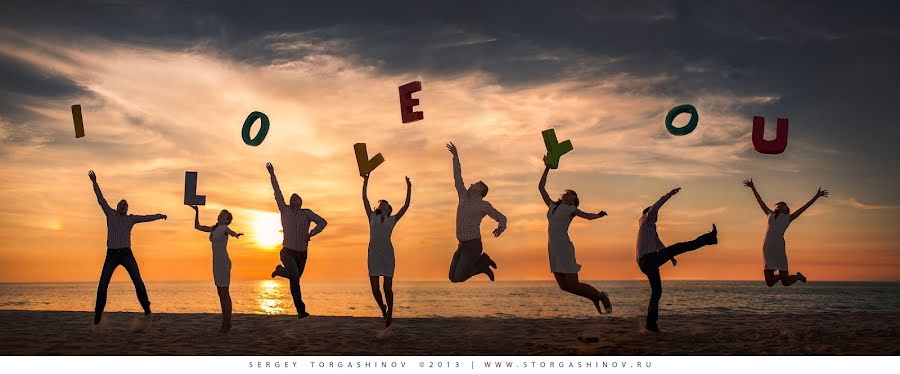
<point>491,262</point>
<point>303,315</point>
<point>277,269</point>
<point>713,236</point>
<point>652,327</point>
<point>489,273</point>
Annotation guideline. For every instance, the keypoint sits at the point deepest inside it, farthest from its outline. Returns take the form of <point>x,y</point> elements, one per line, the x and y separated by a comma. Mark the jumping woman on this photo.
<point>218,235</point>
<point>774,251</point>
<point>381,250</point>
<point>560,248</point>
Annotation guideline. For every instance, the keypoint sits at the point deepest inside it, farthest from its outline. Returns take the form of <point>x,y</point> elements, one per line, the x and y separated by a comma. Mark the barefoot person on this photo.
<point>560,248</point>
<point>295,222</point>
<point>218,235</point>
<point>652,253</point>
<point>381,250</point>
<point>118,250</point>
<point>469,259</point>
<point>774,252</point>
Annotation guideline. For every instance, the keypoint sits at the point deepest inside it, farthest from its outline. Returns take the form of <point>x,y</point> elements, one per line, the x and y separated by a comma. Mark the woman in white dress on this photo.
<point>774,252</point>
<point>381,250</point>
<point>218,235</point>
<point>560,248</point>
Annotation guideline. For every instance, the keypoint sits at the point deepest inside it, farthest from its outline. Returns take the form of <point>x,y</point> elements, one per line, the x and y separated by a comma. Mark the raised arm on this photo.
<point>820,193</point>
<point>589,216</point>
<point>762,204</point>
<point>542,186</point>
<point>279,198</point>
<point>457,171</point>
<point>654,209</point>
<point>100,199</point>
<point>497,216</point>
<point>319,221</point>
<point>405,203</point>
<point>365,195</point>
<point>197,224</point>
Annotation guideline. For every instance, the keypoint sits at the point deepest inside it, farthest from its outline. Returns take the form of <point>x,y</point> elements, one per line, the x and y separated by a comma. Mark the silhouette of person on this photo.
<point>652,253</point>
<point>118,250</point>
<point>560,248</point>
<point>381,251</point>
<point>774,251</point>
<point>469,258</point>
<point>295,222</point>
<point>218,236</point>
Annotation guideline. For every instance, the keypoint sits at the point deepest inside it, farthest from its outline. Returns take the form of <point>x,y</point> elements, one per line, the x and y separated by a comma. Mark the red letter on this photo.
<point>769,147</point>
<point>407,102</point>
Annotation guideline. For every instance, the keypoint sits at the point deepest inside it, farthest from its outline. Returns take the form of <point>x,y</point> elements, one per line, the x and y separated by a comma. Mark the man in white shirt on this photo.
<point>118,250</point>
<point>652,253</point>
<point>469,259</point>
<point>295,222</point>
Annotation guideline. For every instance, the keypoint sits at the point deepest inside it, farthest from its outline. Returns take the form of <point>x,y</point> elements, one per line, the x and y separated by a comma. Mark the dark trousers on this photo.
<point>650,264</point>
<point>294,263</point>
<point>114,258</point>
<point>468,260</point>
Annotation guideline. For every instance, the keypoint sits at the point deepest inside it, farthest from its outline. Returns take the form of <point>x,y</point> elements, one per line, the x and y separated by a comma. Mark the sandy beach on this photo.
<point>69,333</point>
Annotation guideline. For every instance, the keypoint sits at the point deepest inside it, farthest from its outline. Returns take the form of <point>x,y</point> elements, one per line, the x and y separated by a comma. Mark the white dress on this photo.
<point>220,260</point>
<point>774,251</point>
<point>381,250</point>
<point>559,246</point>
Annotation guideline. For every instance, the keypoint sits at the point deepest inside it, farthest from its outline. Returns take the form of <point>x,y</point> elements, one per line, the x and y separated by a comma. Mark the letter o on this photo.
<point>691,125</point>
<point>263,129</point>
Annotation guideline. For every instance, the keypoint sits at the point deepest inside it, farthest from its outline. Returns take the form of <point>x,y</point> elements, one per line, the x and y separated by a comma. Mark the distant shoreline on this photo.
<point>69,333</point>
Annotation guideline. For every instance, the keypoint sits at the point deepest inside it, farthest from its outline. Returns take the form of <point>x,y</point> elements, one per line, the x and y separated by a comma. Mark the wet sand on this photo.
<point>70,333</point>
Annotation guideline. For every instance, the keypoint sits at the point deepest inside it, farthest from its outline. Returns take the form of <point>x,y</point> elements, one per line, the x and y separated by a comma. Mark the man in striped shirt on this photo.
<point>469,260</point>
<point>652,253</point>
<point>295,222</point>
<point>118,250</point>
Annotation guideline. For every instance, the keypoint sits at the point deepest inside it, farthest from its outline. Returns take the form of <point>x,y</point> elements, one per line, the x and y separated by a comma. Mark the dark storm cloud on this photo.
<point>833,64</point>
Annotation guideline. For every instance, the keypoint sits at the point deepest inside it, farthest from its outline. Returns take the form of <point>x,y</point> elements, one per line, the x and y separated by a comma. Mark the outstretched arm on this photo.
<point>319,221</point>
<point>457,171</point>
<point>820,193</point>
<point>234,234</point>
<point>279,198</point>
<point>654,209</point>
<point>405,203</point>
<point>589,216</point>
<point>100,199</point>
<point>542,186</point>
<point>148,218</point>
<point>762,204</point>
<point>197,224</point>
<point>365,195</point>
<point>497,216</point>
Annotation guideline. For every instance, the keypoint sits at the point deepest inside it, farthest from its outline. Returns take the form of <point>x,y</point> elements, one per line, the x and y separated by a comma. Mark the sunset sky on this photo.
<point>165,87</point>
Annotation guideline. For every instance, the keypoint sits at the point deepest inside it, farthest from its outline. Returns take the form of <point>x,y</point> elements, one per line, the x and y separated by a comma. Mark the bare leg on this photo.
<point>787,279</point>
<point>771,278</point>
<point>389,295</point>
<point>225,301</point>
<point>569,282</point>
<point>376,292</point>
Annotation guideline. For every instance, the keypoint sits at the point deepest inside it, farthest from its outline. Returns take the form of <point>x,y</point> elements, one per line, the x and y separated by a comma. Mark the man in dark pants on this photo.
<point>652,253</point>
<point>295,222</point>
<point>118,243</point>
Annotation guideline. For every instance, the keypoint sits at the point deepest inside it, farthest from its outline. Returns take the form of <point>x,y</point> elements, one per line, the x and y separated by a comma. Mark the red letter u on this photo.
<point>774,146</point>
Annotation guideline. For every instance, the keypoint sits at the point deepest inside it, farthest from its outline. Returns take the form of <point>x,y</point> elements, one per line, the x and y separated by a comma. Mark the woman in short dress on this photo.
<point>381,250</point>
<point>560,248</point>
<point>774,251</point>
<point>218,236</point>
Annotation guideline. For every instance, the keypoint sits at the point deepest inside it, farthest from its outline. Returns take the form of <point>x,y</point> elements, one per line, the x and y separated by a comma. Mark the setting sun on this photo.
<point>267,229</point>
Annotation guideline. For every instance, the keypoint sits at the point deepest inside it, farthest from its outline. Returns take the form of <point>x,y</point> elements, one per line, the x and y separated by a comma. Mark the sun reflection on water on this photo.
<point>270,297</point>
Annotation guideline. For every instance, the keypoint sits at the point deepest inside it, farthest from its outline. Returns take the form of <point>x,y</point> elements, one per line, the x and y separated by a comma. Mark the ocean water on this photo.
<point>524,299</point>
